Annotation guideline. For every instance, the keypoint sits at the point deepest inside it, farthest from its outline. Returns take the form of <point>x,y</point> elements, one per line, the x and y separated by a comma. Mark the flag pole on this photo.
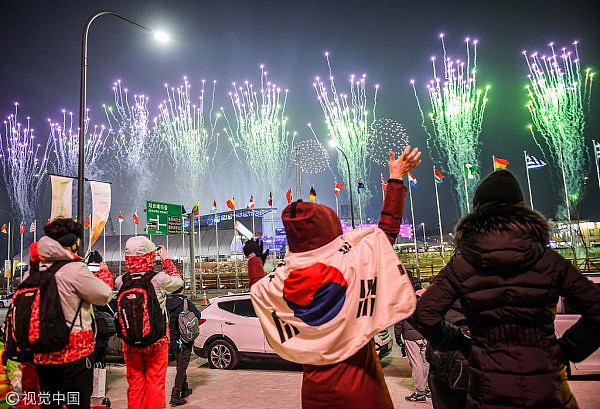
<point>35,230</point>
<point>359,209</point>
<point>218,250</point>
<point>237,283</point>
<point>273,224</point>
<point>167,243</point>
<point>382,191</point>
<point>337,212</point>
<point>493,162</point>
<point>437,199</point>
<point>200,251</point>
<point>466,188</point>
<point>412,214</point>
<point>135,224</point>
<point>120,243</point>
<point>104,241</point>
<point>528,181</point>
<point>562,167</point>
<point>596,157</point>
<point>22,231</point>
<point>10,259</point>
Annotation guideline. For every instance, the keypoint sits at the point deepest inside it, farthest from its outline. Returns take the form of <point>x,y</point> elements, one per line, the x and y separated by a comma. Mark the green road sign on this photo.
<point>163,218</point>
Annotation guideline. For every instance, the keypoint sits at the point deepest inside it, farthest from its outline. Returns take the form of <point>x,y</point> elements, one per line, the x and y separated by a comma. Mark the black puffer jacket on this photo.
<point>509,282</point>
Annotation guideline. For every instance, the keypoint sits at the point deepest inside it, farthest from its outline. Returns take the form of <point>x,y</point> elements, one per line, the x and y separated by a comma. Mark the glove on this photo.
<point>255,246</point>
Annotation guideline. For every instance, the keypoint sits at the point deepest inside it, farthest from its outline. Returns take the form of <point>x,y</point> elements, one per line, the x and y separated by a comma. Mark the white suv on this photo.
<point>565,318</point>
<point>230,332</point>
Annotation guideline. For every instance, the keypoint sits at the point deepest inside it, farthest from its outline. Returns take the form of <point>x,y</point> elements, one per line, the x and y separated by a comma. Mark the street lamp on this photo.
<point>160,36</point>
<point>334,144</point>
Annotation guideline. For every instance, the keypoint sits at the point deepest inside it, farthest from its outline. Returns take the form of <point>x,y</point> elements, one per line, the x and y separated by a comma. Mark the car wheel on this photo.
<point>1,304</point>
<point>222,355</point>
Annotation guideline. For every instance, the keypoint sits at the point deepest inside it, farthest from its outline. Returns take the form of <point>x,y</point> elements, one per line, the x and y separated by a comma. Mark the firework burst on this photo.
<point>348,118</point>
<point>24,164</point>
<point>559,99</point>
<point>457,109</point>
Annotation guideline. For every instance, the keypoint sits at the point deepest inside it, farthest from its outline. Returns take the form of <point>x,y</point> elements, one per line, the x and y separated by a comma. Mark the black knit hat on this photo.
<point>501,186</point>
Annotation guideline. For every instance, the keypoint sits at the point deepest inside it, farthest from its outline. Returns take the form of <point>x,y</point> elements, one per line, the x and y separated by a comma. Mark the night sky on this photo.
<point>391,41</point>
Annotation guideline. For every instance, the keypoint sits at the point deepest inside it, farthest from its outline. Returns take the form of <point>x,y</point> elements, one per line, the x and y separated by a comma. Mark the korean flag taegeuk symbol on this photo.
<point>316,294</point>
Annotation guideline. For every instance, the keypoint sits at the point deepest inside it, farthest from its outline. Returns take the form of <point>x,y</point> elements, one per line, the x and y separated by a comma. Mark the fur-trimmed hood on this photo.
<point>497,236</point>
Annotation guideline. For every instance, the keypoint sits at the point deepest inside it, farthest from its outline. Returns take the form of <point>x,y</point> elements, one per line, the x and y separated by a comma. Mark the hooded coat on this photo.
<point>508,282</point>
<point>340,371</point>
<point>76,284</point>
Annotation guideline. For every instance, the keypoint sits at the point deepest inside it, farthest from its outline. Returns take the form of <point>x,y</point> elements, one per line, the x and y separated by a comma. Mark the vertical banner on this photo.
<point>62,197</point>
<point>100,209</point>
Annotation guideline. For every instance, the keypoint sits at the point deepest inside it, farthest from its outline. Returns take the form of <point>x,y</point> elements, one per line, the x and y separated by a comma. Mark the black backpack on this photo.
<point>35,322</point>
<point>105,322</point>
<point>140,320</point>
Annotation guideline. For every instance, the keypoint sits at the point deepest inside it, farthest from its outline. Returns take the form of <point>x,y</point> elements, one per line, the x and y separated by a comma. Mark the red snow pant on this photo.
<point>146,376</point>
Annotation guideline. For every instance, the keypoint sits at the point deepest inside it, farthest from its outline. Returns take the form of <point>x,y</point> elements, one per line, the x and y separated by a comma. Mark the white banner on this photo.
<point>100,209</point>
<point>62,197</point>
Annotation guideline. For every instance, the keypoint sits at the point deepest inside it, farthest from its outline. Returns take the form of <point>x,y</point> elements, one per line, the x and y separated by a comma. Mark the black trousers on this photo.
<point>183,360</point>
<point>442,397</point>
<point>67,384</point>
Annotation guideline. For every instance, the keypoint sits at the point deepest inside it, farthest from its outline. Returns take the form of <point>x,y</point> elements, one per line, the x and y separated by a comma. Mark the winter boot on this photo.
<point>176,399</point>
<point>185,390</point>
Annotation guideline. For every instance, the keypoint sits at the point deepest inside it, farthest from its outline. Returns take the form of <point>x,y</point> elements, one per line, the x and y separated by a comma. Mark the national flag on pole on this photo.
<point>32,227</point>
<point>121,218</point>
<point>22,228</point>
<point>412,180</point>
<point>500,163</point>
<point>196,209</point>
<point>5,228</point>
<point>183,211</point>
<point>534,163</point>
<point>470,171</point>
<point>231,203</point>
<point>136,219</point>
<point>88,222</point>
<point>597,149</point>
<point>383,183</point>
<point>438,177</point>
<point>214,207</point>
<point>270,199</point>
<point>288,196</point>
<point>338,187</point>
<point>250,203</point>
<point>360,185</point>
<point>312,195</point>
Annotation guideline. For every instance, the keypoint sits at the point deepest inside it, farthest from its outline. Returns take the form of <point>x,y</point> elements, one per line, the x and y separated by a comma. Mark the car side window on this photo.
<point>227,305</point>
<point>244,308</point>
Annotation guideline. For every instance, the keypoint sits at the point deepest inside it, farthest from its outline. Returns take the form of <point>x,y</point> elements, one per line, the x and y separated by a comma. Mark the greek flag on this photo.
<point>597,149</point>
<point>534,163</point>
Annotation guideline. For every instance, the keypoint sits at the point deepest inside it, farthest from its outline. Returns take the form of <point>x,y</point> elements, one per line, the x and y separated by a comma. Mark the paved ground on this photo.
<point>271,385</point>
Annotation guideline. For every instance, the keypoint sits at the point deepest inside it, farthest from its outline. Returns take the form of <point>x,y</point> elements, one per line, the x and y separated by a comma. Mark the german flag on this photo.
<point>312,195</point>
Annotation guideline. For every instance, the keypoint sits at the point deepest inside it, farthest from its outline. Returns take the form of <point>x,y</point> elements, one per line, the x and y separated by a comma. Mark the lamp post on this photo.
<point>82,103</point>
<point>334,144</point>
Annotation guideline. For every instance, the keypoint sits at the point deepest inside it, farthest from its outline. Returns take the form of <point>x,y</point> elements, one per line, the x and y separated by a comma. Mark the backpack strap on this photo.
<point>57,265</point>
<point>185,304</point>
<point>149,275</point>
<point>78,312</point>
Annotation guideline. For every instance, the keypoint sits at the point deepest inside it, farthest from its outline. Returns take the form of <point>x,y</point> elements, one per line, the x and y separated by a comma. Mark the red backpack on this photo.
<point>140,319</point>
<point>35,322</point>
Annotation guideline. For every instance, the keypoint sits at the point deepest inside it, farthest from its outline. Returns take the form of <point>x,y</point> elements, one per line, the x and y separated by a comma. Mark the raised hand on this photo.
<point>405,163</point>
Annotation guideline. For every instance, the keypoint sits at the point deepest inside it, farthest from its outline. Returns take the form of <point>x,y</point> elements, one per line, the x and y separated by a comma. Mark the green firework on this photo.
<point>261,132</point>
<point>559,98</point>
<point>348,118</point>
<point>457,109</point>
